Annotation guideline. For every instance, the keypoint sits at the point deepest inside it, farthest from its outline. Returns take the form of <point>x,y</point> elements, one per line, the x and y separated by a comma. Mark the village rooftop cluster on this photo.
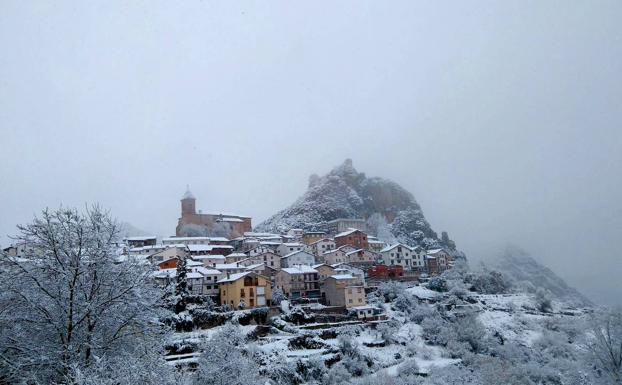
<point>241,268</point>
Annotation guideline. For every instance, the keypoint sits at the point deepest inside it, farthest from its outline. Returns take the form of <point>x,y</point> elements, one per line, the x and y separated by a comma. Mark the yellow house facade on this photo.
<point>247,290</point>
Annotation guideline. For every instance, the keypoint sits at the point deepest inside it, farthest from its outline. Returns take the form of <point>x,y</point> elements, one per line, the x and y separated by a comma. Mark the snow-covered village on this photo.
<point>403,192</point>
<point>301,298</point>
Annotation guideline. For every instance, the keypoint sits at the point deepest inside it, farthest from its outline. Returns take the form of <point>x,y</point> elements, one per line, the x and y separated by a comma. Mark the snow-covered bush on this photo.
<point>408,368</point>
<point>337,375</point>
<point>491,282</point>
<point>470,330</point>
<point>224,362</point>
<point>297,316</point>
<point>543,300</point>
<point>438,284</point>
<point>348,346</point>
<point>278,296</point>
<point>386,331</point>
<point>390,290</point>
<point>422,312</point>
<point>283,373</point>
<point>435,330</point>
<point>405,302</point>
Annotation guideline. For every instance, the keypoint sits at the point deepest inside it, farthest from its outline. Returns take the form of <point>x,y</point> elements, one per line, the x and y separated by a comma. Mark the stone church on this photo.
<point>193,224</point>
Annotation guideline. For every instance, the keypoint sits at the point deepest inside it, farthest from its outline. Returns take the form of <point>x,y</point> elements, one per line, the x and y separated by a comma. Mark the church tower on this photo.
<point>188,203</point>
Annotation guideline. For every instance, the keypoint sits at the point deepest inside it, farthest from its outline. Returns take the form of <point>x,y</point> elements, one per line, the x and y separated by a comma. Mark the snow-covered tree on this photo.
<point>278,296</point>
<point>181,285</point>
<point>543,300</point>
<point>68,303</point>
<point>377,225</point>
<point>224,362</point>
<point>605,343</point>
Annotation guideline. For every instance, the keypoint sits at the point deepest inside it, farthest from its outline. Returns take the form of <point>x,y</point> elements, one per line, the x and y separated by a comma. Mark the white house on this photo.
<point>398,254</point>
<point>209,260</point>
<point>287,248</point>
<point>297,258</point>
<point>331,257</point>
<point>321,246</point>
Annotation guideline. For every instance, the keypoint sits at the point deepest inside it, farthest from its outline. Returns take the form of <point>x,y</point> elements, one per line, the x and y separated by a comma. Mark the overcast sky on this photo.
<point>503,118</point>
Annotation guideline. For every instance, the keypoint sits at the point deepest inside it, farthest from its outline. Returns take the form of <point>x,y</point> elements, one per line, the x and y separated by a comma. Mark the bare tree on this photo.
<point>69,301</point>
<point>605,342</point>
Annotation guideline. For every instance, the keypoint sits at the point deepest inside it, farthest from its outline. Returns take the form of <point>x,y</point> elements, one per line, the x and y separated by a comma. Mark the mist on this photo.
<point>502,119</point>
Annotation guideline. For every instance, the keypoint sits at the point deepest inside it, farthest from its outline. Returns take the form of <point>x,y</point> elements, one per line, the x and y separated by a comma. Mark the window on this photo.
<point>242,293</point>
<point>360,300</point>
<point>350,300</point>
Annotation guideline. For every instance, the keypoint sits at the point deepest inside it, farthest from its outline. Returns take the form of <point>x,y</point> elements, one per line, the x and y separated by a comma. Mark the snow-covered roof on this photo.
<point>193,263</point>
<point>200,247</point>
<point>139,238</point>
<point>228,266</point>
<point>270,243</point>
<point>299,269</point>
<point>320,264</point>
<point>206,271</point>
<point>354,251</point>
<point>391,247</point>
<point>208,247</point>
<point>194,275</point>
<point>229,219</point>
<point>295,252</point>
<point>434,251</point>
<point>342,276</point>
<point>348,232</point>
<point>237,255</point>
<point>331,251</point>
<point>235,277</point>
<point>253,267</point>
<point>293,244</point>
<point>321,240</point>
<point>207,256</point>
<point>186,239</point>
<point>165,273</point>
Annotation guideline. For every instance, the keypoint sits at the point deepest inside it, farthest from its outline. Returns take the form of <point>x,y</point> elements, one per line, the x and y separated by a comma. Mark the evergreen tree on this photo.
<point>181,287</point>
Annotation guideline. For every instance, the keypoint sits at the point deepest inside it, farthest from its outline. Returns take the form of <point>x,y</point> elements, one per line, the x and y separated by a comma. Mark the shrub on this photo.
<point>438,284</point>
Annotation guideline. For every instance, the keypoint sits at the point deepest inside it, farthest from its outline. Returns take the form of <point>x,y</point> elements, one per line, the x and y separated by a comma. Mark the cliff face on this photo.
<point>391,212</point>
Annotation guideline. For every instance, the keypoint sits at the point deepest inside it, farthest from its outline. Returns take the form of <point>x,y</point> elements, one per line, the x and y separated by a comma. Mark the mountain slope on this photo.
<point>391,211</point>
<point>530,274</point>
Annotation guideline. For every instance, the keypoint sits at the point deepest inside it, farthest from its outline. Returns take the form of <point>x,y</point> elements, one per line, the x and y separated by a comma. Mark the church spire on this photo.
<point>187,194</point>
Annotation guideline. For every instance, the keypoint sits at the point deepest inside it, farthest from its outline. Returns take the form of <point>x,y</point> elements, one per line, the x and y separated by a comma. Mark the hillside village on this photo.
<point>331,307</point>
<point>242,268</point>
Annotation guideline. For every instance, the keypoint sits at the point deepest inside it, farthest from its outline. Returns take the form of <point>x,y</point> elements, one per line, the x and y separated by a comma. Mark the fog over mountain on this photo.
<point>502,119</point>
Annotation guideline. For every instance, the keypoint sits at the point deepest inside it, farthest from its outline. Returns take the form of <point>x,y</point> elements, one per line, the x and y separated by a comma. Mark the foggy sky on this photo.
<point>504,119</point>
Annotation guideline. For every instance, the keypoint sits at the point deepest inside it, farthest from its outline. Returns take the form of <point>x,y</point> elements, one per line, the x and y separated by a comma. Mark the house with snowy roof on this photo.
<point>343,290</point>
<point>269,258</point>
<point>245,290</point>
<point>287,248</point>
<point>209,260</point>
<point>361,258</point>
<point>402,255</point>
<point>140,241</point>
<point>297,258</point>
<point>299,281</point>
<point>441,258</point>
<point>353,237</point>
<point>322,245</point>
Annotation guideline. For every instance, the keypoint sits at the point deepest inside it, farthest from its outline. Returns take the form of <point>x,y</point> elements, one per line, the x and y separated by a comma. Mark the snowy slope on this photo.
<point>346,193</point>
